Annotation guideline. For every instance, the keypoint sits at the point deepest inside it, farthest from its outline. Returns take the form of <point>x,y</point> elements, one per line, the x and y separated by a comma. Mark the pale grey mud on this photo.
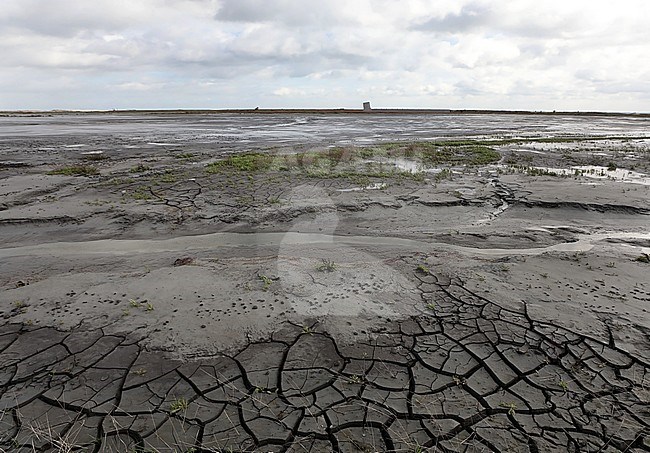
<point>346,283</point>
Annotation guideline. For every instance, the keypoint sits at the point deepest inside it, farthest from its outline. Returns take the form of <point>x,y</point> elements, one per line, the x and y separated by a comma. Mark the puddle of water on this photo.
<point>80,145</point>
<point>161,144</point>
<point>598,172</point>
<point>399,163</point>
<point>375,186</point>
<point>466,191</point>
<point>92,153</point>
<point>533,151</point>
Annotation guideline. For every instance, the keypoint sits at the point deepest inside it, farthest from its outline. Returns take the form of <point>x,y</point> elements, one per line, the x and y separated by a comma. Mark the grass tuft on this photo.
<point>75,170</point>
<point>178,405</point>
<point>250,162</point>
<point>643,258</point>
<point>326,266</point>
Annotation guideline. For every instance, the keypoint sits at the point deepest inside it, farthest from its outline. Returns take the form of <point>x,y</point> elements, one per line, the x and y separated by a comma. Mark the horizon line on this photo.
<point>257,110</point>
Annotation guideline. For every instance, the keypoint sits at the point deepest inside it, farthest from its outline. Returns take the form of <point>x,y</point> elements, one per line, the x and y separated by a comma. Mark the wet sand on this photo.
<point>331,292</point>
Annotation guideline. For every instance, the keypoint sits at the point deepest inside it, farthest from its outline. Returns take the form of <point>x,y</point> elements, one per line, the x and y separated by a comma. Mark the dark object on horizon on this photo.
<point>257,108</point>
<point>366,107</point>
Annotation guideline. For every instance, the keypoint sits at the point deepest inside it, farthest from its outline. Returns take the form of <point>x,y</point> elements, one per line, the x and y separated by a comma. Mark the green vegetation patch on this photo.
<point>355,162</point>
<point>185,156</point>
<point>140,168</point>
<point>643,258</point>
<point>250,162</point>
<point>75,170</point>
<point>459,152</point>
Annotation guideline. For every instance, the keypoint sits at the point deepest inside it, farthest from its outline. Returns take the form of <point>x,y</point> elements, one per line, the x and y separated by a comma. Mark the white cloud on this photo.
<point>286,91</point>
<point>528,54</point>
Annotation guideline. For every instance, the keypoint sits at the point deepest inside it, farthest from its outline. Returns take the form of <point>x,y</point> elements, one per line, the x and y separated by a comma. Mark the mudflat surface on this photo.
<point>401,283</point>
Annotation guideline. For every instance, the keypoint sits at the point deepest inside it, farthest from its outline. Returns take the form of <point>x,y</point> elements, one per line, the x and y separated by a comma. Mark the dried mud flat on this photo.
<point>210,284</point>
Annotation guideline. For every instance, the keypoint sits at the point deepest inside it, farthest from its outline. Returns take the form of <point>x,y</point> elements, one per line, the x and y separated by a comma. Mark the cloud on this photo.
<point>416,53</point>
<point>471,17</point>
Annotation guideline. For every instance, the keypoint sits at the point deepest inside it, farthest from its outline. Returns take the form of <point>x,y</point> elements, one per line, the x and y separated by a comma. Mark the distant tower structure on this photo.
<point>366,107</point>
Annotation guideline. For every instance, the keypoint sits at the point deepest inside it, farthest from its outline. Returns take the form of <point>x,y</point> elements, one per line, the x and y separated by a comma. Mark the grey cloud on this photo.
<point>63,18</point>
<point>478,17</point>
<point>471,18</point>
<point>287,12</point>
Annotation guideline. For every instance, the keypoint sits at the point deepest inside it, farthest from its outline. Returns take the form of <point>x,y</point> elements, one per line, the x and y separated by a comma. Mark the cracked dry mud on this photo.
<point>470,376</point>
<point>157,307</point>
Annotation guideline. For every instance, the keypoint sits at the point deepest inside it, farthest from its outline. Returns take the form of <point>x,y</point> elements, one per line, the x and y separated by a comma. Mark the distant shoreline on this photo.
<point>19,113</point>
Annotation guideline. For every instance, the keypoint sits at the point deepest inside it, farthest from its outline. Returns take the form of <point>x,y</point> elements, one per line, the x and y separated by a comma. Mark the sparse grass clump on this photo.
<point>643,258</point>
<point>140,168</point>
<point>250,162</point>
<point>76,170</point>
<point>168,178</point>
<point>564,385</point>
<point>532,171</point>
<point>326,266</point>
<point>267,281</point>
<point>94,157</point>
<point>443,174</point>
<point>178,405</point>
<point>512,407</point>
<point>142,194</point>
<point>451,152</point>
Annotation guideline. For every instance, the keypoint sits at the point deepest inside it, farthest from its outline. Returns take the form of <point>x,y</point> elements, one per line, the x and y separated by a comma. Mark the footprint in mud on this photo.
<point>324,276</point>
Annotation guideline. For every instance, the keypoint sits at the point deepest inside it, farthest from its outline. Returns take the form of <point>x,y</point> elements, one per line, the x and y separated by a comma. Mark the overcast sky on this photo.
<point>497,54</point>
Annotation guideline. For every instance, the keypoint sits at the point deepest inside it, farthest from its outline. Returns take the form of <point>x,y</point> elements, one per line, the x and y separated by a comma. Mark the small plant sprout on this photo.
<point>261,390</point>
<point>611,264</point>
<point>422,269</point>
<point>140,372</point>
<point>134,303</point>
<point>18,304</point>
<point>125,312</point>
<point>564,385</point>
<point>266,280</point>
<point>512,407</point>
<point>307,329</point>
<point>431,306</point>
<point>418,449</point>
<point>355,379</point>
<point>149,306</point>
<point>179,404</point>
<point>326,266</point>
